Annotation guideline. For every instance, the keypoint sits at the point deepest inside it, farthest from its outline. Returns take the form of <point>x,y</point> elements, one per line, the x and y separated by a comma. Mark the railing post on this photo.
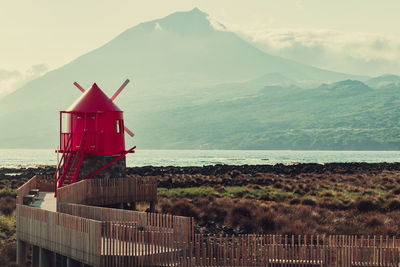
<point>21,253</point>
<point>152,206</point>
<point>35,256</point>
<point>44,257</point>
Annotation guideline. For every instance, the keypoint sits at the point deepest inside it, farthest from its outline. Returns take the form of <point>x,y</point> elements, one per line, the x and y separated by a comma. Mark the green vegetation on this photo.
<point>342,201</point>
<point>246,192</point>
<point>7,227</point>
<point>8,192</point>
<point>271,193</point>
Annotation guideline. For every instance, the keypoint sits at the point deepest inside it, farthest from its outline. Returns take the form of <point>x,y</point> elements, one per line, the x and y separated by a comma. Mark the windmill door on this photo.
<point>91,133</point>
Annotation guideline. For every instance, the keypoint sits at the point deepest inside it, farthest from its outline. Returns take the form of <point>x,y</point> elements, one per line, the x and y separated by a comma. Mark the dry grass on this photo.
<point>356,202</point>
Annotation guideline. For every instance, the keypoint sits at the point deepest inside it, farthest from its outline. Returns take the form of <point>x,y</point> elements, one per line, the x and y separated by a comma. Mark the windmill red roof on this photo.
<point>93,100</point>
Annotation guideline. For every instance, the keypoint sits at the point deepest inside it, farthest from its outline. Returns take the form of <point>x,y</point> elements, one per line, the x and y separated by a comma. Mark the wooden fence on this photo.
<point>109,191</point>
<point>45,183</point>
<point>25,188</point>
<point>277,250</point>
<point>71,236</point>
<point>125,245</point>
<point>181,227</point>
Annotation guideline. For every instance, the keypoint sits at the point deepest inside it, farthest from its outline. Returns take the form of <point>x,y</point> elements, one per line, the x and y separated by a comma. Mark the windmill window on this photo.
<point>65,123</point>
<point>118,126</point>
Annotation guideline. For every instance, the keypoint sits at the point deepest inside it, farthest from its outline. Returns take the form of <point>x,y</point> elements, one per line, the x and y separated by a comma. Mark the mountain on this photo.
<point>278,117</point>
<point>345,88</point>
<point>388,80</point>
<point>179,65</point>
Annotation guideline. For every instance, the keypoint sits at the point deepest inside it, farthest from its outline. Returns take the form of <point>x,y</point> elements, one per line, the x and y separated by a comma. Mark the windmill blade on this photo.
<point>119,90</point>
<point>79,87</point>
<point>129,131</point>
<point>115,96</point>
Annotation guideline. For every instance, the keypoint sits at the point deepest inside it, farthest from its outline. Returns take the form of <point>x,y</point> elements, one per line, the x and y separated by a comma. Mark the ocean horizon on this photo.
<point>24,158</point>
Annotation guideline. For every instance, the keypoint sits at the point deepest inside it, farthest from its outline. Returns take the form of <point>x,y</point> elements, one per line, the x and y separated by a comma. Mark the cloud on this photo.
<point>359,53</point>
<point>6,74</point>
<point>14,79</point>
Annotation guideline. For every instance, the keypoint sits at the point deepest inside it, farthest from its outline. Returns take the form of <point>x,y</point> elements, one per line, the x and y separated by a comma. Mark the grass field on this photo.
<point>361,202</point>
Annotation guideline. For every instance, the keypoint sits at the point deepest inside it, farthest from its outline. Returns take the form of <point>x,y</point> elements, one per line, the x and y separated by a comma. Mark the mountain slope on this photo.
<point>388,80</point>
<point>173,62</point>
<point>289,118</point>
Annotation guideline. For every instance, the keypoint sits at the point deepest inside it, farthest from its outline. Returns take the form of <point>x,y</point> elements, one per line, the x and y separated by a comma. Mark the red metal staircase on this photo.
<point>69,165</point>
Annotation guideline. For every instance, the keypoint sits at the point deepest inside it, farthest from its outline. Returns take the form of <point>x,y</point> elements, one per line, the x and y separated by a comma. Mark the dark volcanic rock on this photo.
<point>227,175</point>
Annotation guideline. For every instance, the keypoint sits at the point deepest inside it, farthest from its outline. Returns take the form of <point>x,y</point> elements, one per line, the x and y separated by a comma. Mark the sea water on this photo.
<point>16,158</point>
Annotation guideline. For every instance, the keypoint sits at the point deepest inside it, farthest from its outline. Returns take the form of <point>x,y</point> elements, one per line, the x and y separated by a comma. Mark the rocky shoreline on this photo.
<point>222,174</point>
<point>293,169</point>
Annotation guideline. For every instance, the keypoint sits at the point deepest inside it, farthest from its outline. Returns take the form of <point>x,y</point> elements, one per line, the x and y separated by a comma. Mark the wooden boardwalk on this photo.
<point>98,236</point>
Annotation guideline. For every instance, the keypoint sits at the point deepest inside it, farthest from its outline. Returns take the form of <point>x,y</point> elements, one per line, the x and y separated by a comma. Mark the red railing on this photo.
<point>111,162</point>
<point>74,162</point>
<point>61,165</point>
<point>79,157</point>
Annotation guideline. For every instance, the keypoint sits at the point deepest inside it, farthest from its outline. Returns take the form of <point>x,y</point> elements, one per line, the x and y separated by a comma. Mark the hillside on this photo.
<point>346,115</point>
<point>388,80</point>
<point>197,85</point>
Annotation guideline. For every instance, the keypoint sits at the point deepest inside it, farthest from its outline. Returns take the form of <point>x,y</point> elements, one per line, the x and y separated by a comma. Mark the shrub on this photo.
<point>247,225</point>
<point>308,202</point>
<point>241,210</point>
<point>326,194</point>
<point>288,188</point>
<point>215,214</point>
<point>299,192</point>
<point>395,191</point>
<point>366,204</point>
<point>267,222</point>
<point>220,189</point>
<point>374,222</point>
<point>164,205</point>
<point>184,208</point>
<point>239,213</point>
<point>8,254</point>
<point>253,186</point>
<point>8,192</point>
<point>240,194</point>
<point>7,205</point>
<point>333,204</point>
<point>295,201</point>
<point>296,227</point>
<point>393,204</point>
<point>265,196</point>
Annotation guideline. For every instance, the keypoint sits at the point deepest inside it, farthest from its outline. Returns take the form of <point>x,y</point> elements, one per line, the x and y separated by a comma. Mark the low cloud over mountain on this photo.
<point>10,80</point>
<point>357,53</point>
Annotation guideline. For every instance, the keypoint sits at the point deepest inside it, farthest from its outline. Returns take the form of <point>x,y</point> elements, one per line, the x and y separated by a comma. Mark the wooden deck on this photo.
<point>46,201</point>
<point>99,236</point>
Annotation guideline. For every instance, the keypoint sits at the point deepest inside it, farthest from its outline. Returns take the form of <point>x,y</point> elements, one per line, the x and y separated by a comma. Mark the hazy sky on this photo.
<point>55,32</point>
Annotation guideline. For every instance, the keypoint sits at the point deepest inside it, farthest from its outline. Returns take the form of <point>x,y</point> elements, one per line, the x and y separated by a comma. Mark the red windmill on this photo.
<point>92,138</point>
